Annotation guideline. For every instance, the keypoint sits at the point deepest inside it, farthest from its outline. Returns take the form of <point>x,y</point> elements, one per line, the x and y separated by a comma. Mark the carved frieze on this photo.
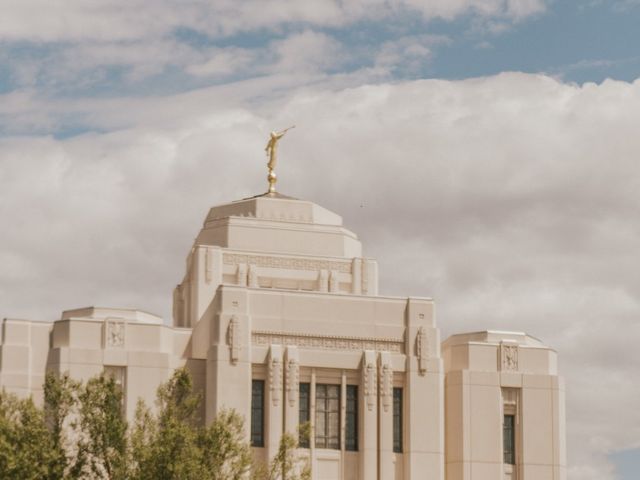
<point>328,342</point>
<point>233,339</point>
<point>114,333</point>
<point>422,350</point>
<point>291,263</point>
<point>508,357</point>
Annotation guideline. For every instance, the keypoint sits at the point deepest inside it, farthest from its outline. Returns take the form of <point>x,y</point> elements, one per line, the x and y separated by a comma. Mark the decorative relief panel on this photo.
<point>114,331</point>
<point>275,379</point>
<point>293,380</point>
<point>369,381</point>
<point>286,262</point>
<point>233,339</point>
<point>508,357</point>
<point>386,382</point>
<point>422,350</point>
<point>326,342</point>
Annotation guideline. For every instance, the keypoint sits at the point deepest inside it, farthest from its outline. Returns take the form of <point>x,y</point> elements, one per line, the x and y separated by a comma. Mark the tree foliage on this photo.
<point>172,444</point>
<point>26,446</point>
<point>103,447</point>
<point>82,433</point>
<point>288,463</point>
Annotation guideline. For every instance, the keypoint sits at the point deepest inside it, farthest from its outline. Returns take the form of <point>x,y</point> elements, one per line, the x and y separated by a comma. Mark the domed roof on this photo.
<point>273,222</point>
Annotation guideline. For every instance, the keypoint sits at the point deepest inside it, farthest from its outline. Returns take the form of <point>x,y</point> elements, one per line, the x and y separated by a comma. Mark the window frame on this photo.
<point>257,429</point>
<point>351,420</point>
<point>322,437</point>
<point>304,410</point>
<point>509,439</point>
<point>398,419</point>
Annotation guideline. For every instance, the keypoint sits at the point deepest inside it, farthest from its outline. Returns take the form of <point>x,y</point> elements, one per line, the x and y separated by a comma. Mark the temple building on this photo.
<point>278,316</point>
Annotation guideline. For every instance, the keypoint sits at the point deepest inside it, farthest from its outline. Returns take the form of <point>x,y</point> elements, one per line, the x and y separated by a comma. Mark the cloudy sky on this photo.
<point>486,152</point>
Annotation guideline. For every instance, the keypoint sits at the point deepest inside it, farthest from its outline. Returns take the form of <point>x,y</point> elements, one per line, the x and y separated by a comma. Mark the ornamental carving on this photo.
<point>508,357</point>
<point>386,385</point>
<point>369,382</point>
<point>293,380</point>
<point>291,263</point>
<point>264,338</point>
<point>114,333</point>
<point>275,380</point>
<point>233,339</point>
<point>422,350</point>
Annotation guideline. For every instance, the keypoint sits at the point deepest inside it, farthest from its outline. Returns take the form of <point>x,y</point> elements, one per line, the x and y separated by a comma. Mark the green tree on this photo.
<point>288,463</point>
<point>171,448</point>
<point>60,411</point>
<point>226,454</point>
<point>173,444</point>
<point>26,448</point>
<point>82,433</point>
<point>103,446</point>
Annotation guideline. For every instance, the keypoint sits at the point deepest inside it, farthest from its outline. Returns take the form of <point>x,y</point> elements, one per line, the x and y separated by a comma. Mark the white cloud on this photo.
<point>129,20</point>
<point>511,199</point>
<point>307,52</point>
<point>223,62</point>
<point>72,46</point>
<point>409,53</point>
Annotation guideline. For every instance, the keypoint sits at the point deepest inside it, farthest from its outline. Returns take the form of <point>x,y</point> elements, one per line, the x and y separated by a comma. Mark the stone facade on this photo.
<point>278,316</point>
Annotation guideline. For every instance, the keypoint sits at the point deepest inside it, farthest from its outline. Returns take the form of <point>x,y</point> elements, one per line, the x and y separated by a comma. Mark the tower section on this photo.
<point>505,414</point>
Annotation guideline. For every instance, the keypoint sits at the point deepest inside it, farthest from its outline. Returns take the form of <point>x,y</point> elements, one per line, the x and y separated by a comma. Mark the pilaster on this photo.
<point>228,370</point>
<point>369,423</point>
<point>274,399</point>
<point>385,416</point>
<point>424,394</point>
<point>292,389</point>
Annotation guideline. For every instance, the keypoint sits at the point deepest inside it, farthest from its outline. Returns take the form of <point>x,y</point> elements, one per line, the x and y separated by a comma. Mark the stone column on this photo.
<point>385,416</point>
<point>356,276</point>
<point>369,417</point>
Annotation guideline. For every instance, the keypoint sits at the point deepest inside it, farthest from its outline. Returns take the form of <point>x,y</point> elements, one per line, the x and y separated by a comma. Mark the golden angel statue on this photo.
<point>272,152</point>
